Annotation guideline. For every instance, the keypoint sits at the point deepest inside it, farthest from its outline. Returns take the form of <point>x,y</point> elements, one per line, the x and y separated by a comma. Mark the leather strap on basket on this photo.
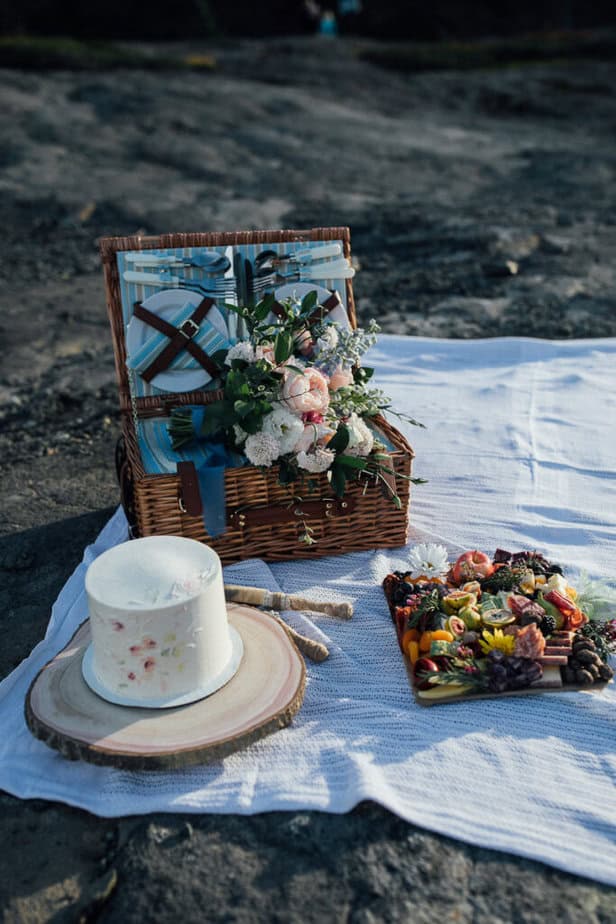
<point>278,310</point>
<point>319,312</point>
<point>180,338</point>
<point>328,305</point>
<point>190,498</point>
<point>332,508</point>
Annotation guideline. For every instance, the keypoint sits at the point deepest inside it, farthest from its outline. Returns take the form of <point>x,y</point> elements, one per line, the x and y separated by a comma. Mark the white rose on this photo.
<point>328,339</point>
<point>285,427</point>
<point>361,439</point>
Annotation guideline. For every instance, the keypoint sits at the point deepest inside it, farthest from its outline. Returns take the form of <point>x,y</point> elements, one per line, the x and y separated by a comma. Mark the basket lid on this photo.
<point>111,246</point>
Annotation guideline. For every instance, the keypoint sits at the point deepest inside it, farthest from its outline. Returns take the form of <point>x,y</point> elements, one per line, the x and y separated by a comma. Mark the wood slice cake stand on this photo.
<point>263,696</point>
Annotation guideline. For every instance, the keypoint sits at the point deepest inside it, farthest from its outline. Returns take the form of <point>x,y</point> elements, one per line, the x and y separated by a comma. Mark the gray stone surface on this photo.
<point>480,204</point>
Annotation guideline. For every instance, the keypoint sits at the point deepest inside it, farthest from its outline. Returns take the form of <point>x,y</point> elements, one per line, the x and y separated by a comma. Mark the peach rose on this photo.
<point>305,392</point>
<point>304,343</point>
<point>340,378</point>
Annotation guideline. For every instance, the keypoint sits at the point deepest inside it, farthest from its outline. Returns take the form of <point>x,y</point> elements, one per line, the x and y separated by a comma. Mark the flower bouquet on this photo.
<point>494,625</point>
<point>293,394</point>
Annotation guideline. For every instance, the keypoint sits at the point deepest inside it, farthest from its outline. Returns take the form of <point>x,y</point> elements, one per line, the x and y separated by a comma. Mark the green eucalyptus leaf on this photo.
<point>362,374</point>
<point>215,418</point>
<point>219,358</point>
<point>352,462</point>
<point>309,302</point>
<point>338,480</point>
<point>283,347</point>
<point>243,408</point>
<point>262,310</point>
<point>252,423</point>
<point>340,439</point>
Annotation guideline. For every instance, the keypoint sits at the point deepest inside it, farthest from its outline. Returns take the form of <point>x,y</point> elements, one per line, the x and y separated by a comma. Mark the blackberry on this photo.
<point>548,624</point>
<point>403,590</point>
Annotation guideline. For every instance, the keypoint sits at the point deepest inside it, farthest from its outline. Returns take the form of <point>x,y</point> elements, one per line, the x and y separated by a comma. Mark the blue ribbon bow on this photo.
<point>211,476</point>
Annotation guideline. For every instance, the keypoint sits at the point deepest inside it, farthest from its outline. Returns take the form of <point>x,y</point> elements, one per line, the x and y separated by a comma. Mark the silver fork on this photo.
<point>211,263</point>
<point>216,288</point>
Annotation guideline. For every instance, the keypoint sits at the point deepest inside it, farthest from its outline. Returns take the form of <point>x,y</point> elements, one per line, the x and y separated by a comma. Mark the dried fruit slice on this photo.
<point>498,618</point>
<point>456,626</point>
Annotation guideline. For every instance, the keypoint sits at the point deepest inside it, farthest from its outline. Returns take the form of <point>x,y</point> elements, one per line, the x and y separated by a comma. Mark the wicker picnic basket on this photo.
<point>263,518</point>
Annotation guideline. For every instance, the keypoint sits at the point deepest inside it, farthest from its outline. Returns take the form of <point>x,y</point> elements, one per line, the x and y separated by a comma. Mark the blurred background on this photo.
<point>387,19</point>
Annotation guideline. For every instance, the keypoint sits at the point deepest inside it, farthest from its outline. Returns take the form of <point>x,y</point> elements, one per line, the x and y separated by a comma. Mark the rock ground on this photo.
<point>480,204</point>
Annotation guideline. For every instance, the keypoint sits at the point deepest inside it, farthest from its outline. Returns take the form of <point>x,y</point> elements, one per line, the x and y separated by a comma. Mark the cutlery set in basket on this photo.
<point>237,333</point>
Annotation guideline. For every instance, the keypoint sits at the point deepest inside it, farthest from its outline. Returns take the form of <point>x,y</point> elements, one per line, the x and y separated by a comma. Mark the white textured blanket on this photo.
<point>520,452</point>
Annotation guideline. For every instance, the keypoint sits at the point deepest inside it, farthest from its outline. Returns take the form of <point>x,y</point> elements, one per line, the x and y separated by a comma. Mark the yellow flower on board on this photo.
<point>496,641</point>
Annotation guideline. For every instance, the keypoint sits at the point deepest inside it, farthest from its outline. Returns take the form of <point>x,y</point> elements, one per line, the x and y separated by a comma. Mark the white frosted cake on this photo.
<point>158,618</point>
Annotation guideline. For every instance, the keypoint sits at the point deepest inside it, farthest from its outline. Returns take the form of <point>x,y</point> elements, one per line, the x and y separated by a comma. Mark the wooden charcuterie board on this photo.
<point>487,627</point>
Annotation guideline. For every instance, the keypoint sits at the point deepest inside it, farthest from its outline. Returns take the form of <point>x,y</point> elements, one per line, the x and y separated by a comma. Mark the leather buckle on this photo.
<point>189,328</point>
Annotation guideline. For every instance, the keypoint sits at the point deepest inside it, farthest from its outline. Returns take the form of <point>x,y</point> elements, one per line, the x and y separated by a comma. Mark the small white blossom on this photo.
<point>428,560</point>
<point>240,435</point>
<point>261,449</point>
<point>285,427</point>
<point>328,340</point>
<point>361,438</point>
<point>241,350</point>
<point>317,461</point>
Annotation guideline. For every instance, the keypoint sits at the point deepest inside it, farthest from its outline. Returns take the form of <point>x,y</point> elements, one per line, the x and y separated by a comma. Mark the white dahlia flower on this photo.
<point>261,448</point>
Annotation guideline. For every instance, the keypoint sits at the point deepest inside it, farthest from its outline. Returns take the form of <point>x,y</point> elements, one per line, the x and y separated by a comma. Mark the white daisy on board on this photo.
<point>428,560</point>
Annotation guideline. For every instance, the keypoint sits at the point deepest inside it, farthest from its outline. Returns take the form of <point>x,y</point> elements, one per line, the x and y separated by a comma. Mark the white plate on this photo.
<point>165,304</point>
<point>300,289</point>
<point>215,683</point>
